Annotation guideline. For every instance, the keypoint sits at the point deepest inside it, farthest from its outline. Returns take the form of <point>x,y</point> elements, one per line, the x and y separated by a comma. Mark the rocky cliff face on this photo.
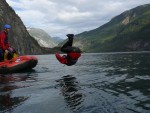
<point>18,36</point>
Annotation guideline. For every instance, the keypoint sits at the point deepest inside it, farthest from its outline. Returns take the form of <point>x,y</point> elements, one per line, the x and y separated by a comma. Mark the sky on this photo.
<point>60,17</point>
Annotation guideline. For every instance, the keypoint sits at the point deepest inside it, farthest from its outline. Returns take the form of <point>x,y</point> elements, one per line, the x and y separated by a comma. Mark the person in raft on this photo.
<point>6,52</point>
<point>4,45</point>
<point>73,53</point>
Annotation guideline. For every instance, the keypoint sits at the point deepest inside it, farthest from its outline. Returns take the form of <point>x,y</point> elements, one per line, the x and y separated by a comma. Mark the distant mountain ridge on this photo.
<point>43,38</point>
<point>57,40</point>
<point>129,31</point>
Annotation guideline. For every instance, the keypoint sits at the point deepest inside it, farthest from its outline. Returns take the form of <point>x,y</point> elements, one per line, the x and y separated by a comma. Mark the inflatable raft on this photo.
<point>18,64</point>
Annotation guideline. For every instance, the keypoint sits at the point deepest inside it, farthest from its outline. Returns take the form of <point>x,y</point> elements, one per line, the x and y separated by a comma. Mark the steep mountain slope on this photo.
<point>43,39</point>
<point>18,36</point>
<point>128,31</point>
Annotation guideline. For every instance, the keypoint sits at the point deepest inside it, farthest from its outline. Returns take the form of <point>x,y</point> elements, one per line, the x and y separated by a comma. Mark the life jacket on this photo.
<point>72,58</point>
<point>69,60</point>
<point>4,40</point>
<point>74,55</point>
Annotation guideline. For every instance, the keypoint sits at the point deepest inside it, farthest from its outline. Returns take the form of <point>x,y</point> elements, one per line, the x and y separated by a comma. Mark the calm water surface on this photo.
<point>98,83</point>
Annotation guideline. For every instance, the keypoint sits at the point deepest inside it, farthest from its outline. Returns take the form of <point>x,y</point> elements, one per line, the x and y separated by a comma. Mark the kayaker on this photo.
<point>73,53</point>
<point>4,45</point>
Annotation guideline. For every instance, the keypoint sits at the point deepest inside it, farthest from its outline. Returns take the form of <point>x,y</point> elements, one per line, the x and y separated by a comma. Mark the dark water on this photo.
<point>98,83</point>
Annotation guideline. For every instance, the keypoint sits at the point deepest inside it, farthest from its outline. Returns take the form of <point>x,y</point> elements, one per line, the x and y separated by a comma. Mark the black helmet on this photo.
<point>70,35</point>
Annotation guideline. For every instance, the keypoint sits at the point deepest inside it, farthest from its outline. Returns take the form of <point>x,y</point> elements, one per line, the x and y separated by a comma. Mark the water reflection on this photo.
<point>137,90</point>
<point>128,75</point>
<point>12,78</point>
<point>132,64</point>
<point>8,84</point>
<point>8,103</point>
<point>70,90</point>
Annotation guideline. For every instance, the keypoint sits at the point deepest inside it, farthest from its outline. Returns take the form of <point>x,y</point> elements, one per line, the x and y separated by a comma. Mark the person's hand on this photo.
<point>6,51</point>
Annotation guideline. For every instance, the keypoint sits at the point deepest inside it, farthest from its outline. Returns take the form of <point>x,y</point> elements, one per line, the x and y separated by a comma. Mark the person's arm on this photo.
<point>61,59</point>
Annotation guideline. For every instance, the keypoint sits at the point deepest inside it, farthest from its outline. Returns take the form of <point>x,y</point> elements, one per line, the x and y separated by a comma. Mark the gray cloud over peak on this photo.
<point>59,17</point>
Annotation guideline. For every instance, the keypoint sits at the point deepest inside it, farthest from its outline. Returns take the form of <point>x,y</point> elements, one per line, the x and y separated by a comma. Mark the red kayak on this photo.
<point>18,64</point>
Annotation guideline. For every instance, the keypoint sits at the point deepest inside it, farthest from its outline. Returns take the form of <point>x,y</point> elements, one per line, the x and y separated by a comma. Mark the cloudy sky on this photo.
<point>59,17</point>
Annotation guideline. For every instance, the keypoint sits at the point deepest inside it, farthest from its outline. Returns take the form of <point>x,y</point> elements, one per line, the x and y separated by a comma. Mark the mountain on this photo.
<point>18,36</point>
<point>43,38</point>
<point>129,31</point>
<point>57,40</point>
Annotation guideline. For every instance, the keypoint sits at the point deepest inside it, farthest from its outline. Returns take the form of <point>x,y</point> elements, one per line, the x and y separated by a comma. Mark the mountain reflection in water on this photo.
<point>8,83</point>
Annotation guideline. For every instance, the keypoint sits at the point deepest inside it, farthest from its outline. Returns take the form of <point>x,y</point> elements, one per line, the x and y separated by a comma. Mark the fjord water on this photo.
<point>98,83</point>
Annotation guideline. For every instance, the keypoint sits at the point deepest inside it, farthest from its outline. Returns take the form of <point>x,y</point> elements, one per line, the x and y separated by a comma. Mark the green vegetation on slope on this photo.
<point>128,31</point>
